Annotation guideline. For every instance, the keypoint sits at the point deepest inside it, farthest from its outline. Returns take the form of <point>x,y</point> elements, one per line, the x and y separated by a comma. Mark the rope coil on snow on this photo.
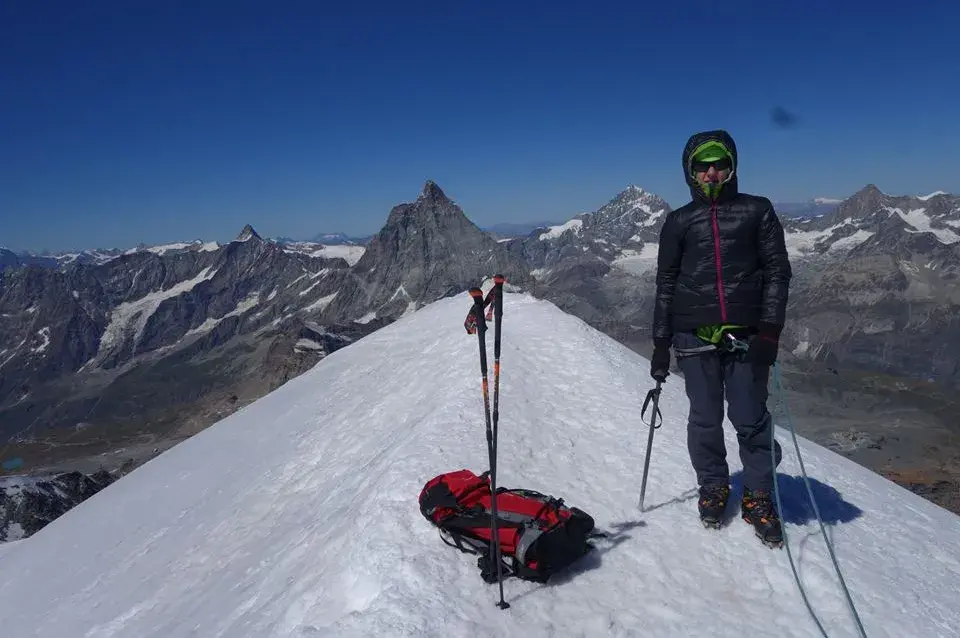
<point>778,388</point>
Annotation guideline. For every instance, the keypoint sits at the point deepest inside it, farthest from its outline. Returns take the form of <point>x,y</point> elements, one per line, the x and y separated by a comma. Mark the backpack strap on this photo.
<point>481,517</point>
<point>527,539</point>
<point>480,549</point>
<point>461,542</point>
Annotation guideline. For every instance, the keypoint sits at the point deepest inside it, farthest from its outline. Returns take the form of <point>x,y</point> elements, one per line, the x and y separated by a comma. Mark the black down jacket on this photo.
<point>720,262</point>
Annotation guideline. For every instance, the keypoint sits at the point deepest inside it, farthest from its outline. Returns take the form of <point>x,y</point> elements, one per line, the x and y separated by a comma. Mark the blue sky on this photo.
<point>189,119</point>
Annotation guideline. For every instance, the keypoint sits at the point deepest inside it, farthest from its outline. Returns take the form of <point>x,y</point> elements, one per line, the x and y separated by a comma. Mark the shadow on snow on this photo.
<point>615,535</point>
<point>797,510</point>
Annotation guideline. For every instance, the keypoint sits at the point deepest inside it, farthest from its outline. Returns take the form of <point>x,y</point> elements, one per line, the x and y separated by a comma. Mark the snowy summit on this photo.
<point>298,515</point>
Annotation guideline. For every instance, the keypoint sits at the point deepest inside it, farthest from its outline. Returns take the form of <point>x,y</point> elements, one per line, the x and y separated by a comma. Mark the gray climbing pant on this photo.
<point>710,377</point>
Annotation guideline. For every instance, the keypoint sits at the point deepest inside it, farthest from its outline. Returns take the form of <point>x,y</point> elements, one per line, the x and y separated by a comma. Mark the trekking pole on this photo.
<point>481,328</point>
<point>652,395</point>
<point>497,319</point>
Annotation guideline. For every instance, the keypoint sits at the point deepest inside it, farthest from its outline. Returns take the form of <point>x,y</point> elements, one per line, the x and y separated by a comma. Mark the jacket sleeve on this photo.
<point>775,263</point>
<point>668,268</point>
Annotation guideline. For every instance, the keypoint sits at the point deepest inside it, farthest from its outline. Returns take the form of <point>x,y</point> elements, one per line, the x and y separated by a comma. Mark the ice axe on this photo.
<point>652,395</point>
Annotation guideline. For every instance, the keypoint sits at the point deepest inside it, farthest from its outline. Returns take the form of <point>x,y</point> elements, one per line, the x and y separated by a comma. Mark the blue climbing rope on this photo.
<point>778,388</point>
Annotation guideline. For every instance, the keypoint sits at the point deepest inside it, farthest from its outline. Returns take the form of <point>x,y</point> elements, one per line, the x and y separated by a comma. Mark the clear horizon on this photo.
<point>154,125</point>
<point>227,237</point>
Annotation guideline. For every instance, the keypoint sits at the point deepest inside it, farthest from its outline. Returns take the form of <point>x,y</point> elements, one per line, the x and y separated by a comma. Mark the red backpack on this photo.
<point>539,535</point>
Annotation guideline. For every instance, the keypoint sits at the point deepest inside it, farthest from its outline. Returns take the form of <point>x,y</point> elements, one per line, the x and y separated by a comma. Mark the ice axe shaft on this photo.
<point>654,396</point>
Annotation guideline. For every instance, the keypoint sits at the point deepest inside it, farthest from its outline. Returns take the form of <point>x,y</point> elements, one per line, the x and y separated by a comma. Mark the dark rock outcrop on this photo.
<point>27,505</point>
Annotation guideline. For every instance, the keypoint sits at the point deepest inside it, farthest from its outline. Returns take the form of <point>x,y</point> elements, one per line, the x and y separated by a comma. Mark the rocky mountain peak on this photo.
<point>634,193</point>
<point>868,196</point>
<point>247,234</point>
<point>631,210</point>
<point>432,209</point>
<point>426,250</point>
<point>862,205</point>
<point>619,228</point>
<point>924,213</point>
<point>432,192</point>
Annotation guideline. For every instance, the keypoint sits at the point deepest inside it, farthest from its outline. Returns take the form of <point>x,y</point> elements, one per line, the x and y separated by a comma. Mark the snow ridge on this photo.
<point>553,232</point>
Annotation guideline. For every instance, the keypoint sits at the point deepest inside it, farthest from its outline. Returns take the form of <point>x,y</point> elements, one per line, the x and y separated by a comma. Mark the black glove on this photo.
<point>660,361</point>
<point>764,345</point>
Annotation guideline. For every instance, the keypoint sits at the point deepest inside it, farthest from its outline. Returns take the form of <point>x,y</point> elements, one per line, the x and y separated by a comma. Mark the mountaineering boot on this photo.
<point>712,503</point>
<point>758,510</point>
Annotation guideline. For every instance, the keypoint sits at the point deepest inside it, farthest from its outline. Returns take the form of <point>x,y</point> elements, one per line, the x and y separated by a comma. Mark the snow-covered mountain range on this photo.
<point>870,212</point>
<point>214,326</point>
<point>142,348</point>
<point>330,246</point>
<point>298,516</point>
<point>875,278</point>
<point>619,228</point>
<point>877,283</point>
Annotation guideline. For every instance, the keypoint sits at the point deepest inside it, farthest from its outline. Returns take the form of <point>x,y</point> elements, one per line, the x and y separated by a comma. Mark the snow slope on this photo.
<point>297,516</point>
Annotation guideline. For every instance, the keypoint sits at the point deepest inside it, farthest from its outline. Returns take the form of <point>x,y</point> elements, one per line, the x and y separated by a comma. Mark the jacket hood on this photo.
<point>730,188</point>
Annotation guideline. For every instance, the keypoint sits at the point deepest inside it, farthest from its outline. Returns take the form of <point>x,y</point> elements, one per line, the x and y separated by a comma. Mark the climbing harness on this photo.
<point>731,345</point>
